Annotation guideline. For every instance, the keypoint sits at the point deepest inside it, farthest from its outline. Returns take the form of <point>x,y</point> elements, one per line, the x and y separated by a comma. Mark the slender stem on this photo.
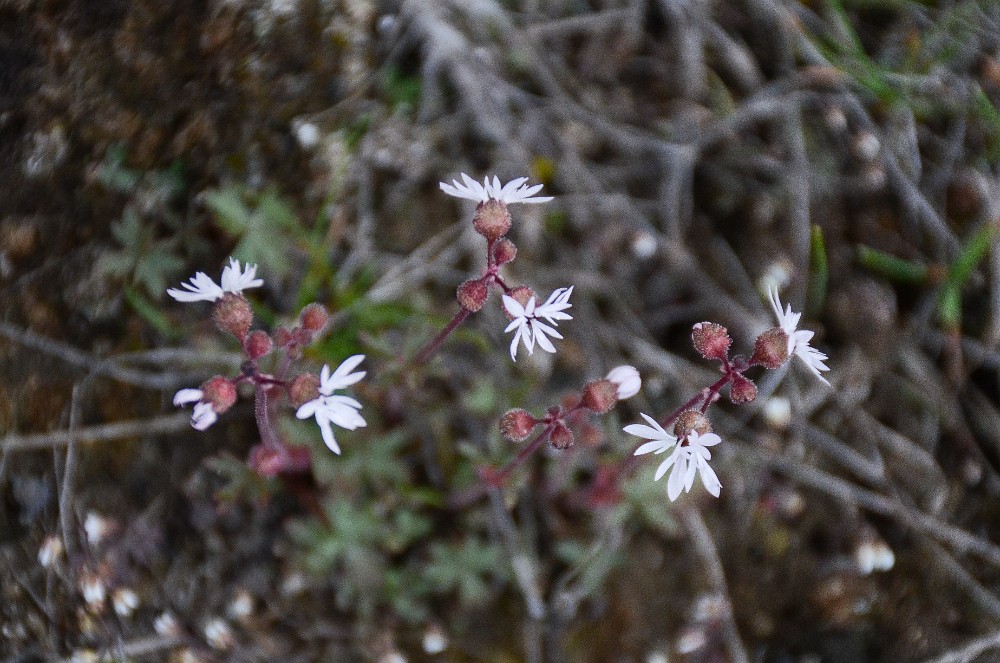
<point>493,480</point>
<point>523,454</point>
<point>262,412</point>
<point>435,343</point>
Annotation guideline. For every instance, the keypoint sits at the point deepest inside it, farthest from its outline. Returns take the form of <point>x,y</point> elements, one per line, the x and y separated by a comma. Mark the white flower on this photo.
<point>798,341</point>
<point>689,457</point>
<point>329,408</point>
<point>204,414</point>
<point>527,324</point>
<point>627,379</point>
<point>515,191</point>
<point>661,439</point>
<point>203,289</point>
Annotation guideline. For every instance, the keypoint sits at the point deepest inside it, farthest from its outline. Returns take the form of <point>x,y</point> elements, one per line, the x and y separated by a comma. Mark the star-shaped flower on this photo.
<point>527,322</point>
<point>203,289</point>
<point>515,191</point>
<point>690,457</point>
<point>329,408</point>
<point>798,340</point>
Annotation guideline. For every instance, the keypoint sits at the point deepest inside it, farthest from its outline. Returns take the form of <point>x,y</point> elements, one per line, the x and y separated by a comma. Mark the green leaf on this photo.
<point>891,267</point>
<point>818,271</point>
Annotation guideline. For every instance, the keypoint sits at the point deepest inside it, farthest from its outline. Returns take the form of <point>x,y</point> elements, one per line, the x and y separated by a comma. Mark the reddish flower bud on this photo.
<point>517,425</point>
<point>711,340</point>
<point>521,294</point>
<point>600,396</point>
<point>314,317</point>
<point>282,337</point>
<point>742,390</point>
<point>472,294</point>
<point>232,314</point>
<point>304,388</point>
<point>504,252</point>
<point>561,437</point>
<point>258,344</point>
<point>691,420</point>
<point>492,220</point>
<point>771,348</point>
<point>220,392</point>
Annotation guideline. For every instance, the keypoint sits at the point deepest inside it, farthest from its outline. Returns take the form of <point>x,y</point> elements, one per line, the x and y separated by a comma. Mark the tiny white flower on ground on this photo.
<point>798,340</point>
<point>204,414</point>
<point>51,550</point>
<point>626,379</point>
<point>202,288</point>
<point>329,408</point>
<point>527,322</point>
<point>515,191</point>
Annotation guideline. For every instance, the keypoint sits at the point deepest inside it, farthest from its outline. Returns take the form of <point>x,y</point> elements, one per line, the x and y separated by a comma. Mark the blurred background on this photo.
<point>699,150</point>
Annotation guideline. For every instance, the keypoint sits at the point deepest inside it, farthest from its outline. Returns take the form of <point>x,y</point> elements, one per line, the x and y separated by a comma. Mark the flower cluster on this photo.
<point>692,433</point>
<point>312,396</point>
<point>532,324</point>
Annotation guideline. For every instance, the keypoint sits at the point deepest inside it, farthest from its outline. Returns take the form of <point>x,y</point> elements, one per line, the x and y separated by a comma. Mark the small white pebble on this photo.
<point>125,601</point>
<point>644,245</point>
<point>96,526</point>
<point>166,624</point>
<point>93,590</point>
<point>51,550</point>
<point>778,412</point>
<point>435,641</point>
<point>219,635</point>
<point>690,640</point>
<point>874,555</point>
<point>307,134</point>
<point>866,146</point>
<point>241,606</point>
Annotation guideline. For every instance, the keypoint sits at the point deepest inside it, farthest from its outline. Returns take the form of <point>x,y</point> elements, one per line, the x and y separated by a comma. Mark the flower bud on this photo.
<point>561,437</point>
<point>258,344</point>
<point>504,252</point>
<point>492,220</point>
<point>232,314</point>
<point>600,396</point>
<point>521,294</point>
<point>282,337</point>
<point>304,388</point>
<point>517,425</point>
<point>742,390</point>
<point>472,294</point>
<point>691,420</point>
<point>711,340</point>
<point>626,379</point>
<point>220,392</point>
<point>771,348</point>
<point>314,317</point>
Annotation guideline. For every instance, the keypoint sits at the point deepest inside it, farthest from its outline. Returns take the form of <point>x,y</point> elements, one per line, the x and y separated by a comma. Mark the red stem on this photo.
<point>435,343</point>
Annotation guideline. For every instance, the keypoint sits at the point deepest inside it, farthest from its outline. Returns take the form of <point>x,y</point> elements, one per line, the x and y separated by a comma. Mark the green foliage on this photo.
<point>240,483</point>
<point>402,89</point>
<point>464,568</point>
<point>154,238</point>
<point>819,271</point>
<point>891,267</point>
<point>264,224</point>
